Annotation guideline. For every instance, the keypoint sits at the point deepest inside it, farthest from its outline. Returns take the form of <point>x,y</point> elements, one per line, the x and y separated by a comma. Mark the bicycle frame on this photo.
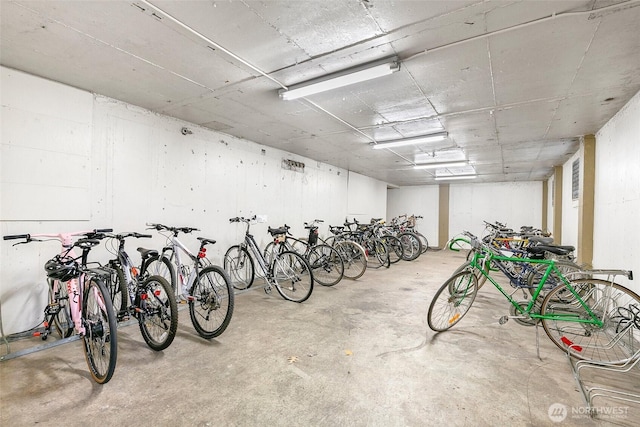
<point>481,257</point>
<point>175,247</point>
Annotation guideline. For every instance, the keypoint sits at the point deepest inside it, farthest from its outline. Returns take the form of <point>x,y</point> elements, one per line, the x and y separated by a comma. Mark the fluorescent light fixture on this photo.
<point>451,177</point>
<point>343,78</point>
<point>433,137</point>
<point>435,165</point>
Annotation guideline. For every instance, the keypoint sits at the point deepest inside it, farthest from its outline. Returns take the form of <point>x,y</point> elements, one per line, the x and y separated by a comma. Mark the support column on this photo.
<point>545,205</point>
<point>443,215</point>
<point>557,205</point>
<point>586,206</point>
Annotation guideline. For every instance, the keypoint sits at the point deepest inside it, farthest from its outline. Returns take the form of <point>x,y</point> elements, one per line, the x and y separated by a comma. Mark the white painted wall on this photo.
<point>419,200</point>
<point>136,167</point>
<point>515,204</point>
<point>550,201</point>
<point>367,198</point>
<point>617,193</point>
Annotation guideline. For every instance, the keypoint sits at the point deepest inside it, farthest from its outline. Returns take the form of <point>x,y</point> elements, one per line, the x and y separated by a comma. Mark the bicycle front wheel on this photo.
<point>452,301</point>
<point>293,277</point>
<point>158,316</point>
<point>617,307</point>
<point>239,266</point>
<point>326,264</point>
<point>160,265</point>
<point>411,244</point>
<point>58,296</point>
<point>100,341</point>
<point>211,302</point>
<point>117,287</point>
<point>354,258</point>
<point>396,250</point>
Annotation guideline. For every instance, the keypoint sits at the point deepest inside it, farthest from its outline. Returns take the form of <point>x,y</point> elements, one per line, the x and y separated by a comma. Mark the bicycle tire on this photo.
<point>160,265</point>
<point>614,342</point>
<point>326,264</point>
<point>396,250</point>
<point>452,301</point>
<point>239,267</point>
<point>118,291</point>
<point>100,342</point>
<point>378,253</point>
<point>354,258</point>
<point>62,321</point>
<point>423,242</point>
<point>411,244</point>
<point>211,302</point>
<point>158,315</point>
<point>292,276</point>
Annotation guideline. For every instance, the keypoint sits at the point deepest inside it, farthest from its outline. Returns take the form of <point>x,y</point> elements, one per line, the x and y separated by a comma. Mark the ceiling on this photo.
<point>514,83</point>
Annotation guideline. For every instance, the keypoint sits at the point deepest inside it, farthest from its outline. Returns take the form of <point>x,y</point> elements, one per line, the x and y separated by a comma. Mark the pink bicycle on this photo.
<point>79,300</point>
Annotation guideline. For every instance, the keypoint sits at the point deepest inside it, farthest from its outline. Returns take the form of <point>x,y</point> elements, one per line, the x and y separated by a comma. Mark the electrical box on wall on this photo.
<point>292,165</point>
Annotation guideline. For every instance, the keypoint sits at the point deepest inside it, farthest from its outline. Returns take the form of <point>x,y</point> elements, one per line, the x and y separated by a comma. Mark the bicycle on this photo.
<point>325,262</point>
<point>588,318</point>
<point>353,255</point>
<point>285,270</point>
<point>135,293</point>
<point>78,300</point>
<point>376,250</point>
<point>205,287</point>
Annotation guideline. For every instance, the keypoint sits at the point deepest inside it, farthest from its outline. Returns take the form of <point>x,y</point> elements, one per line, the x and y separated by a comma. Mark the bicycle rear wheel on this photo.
<point>378,253</point>
<point>452,301</point>
<point>211,302</point>
<point>158,318</point>
<point>423,242</point>
<point>239,266</point>
<point>616,306</point>
<point>100,341</point>
<point>293,276</point>
<point>354,258</point>
<point>58,296</point>
<point>326,264</point>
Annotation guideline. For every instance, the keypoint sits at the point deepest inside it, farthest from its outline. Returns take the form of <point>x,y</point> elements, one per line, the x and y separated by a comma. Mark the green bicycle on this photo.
<point>588,318</point>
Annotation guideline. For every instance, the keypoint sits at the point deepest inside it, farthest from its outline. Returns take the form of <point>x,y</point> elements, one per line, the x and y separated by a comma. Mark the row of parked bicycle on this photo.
<point>583,311</point>
<point>90,298</point>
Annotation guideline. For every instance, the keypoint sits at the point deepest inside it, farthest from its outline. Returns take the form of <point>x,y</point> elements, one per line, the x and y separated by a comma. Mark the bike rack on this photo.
<point>607,385</point>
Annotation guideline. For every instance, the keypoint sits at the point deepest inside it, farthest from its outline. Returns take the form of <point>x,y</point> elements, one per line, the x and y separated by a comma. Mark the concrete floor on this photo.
<point>357,354</point>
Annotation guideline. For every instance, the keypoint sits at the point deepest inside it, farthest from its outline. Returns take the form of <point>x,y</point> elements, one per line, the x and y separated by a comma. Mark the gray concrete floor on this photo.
<point>357,354</point>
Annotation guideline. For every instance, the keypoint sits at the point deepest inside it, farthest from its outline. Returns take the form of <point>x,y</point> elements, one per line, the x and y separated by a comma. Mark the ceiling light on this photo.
<point>433,137</point>
<point>341,79</point>
<point>450,177</point>
<point>434,165</point>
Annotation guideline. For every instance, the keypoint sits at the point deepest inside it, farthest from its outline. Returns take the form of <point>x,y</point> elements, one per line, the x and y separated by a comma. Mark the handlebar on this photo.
<point>65,238</point>
<point>175,230</point>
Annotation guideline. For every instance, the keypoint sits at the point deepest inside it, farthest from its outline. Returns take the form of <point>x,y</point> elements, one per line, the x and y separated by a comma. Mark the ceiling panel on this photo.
<point>514,83</point>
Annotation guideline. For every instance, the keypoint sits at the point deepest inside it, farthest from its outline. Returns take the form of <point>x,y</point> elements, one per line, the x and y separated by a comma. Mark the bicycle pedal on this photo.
<point>503,320</point>
<point>267,290</point>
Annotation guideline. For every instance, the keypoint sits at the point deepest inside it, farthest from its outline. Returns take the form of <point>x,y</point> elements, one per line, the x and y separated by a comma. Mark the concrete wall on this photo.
<point>74,161</point>
<point>420,200</point>
<point>617,193</point>
<point>512,203</point>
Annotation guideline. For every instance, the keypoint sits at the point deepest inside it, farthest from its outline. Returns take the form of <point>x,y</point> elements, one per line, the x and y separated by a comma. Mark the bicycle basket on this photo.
<point>62,268</point>
<point>313,238</point>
